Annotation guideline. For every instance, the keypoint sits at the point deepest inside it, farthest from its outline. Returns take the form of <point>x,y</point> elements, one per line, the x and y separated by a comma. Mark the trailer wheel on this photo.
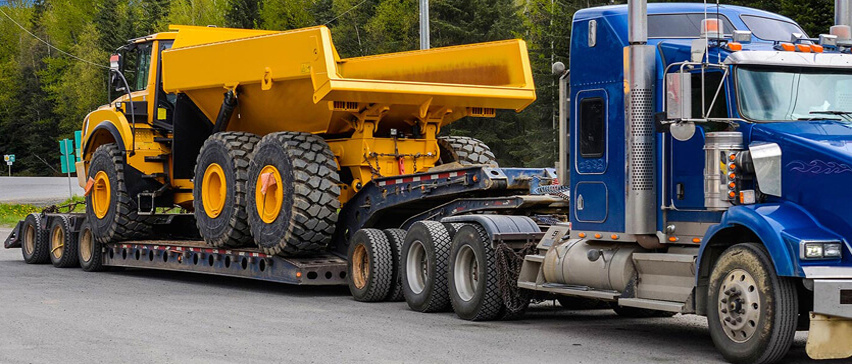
<point>396,238</point>
<point>63,243</point>
<point>34,244</point>
<point>370,265</point>
<point>425,260</point>
<point>752,312</point>
<point>474,291</point>
<point>109,207</point>
<point>465,150</point>
<point>89,249</point>
<point>293,194</point>
<point>219,194</point>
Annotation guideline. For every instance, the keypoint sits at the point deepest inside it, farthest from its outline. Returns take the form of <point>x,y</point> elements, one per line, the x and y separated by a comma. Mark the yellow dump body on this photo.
<point>290,81</point>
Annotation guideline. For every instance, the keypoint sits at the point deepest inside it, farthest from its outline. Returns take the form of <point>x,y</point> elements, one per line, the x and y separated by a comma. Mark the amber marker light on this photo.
<point>298,274</point>
<point>672,239</point>
<point>732,176</point>
<point>696,240</point>
<point>817,48</point>
<point>804,48</point>
<point>735,46</point>
<point>789,47</point>
<point>614,237</point>
<point>582,235</point>
<point>732,194</point>
<point>598,236</point>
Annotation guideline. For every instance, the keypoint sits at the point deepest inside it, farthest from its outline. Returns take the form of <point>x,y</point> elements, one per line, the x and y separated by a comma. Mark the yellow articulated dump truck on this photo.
<point>293,165</point>
<point>265,135</point>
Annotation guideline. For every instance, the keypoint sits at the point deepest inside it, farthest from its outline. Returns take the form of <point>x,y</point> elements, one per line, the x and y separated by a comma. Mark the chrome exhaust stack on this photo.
<point>639,71</point>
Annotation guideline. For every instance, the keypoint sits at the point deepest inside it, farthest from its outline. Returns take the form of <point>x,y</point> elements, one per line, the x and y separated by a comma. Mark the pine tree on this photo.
<point>242,14</point>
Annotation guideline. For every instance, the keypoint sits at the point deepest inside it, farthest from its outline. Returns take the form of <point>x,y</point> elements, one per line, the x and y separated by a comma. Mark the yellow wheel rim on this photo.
<point>57,242</point>
<point>101,195</point>
<point>87,245</point>
<point>214,190</point>
<point>29,239</point>
<point>269,203</point>
<point>360,267</point>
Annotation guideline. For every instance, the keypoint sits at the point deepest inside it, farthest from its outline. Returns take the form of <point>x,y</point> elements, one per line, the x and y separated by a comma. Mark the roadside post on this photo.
<point>9,159</point>
<point>67,159</point>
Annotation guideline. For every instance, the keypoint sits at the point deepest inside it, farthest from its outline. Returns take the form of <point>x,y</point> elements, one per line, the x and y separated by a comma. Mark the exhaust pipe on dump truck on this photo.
<point>640,205</point>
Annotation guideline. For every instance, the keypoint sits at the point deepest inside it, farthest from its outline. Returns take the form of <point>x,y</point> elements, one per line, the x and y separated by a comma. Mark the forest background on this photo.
<point>46,92</point>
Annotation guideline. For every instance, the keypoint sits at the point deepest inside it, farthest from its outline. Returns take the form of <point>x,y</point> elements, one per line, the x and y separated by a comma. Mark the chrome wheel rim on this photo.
<point>466,273</point>
<point>739,305</point>
<point>417,267</point>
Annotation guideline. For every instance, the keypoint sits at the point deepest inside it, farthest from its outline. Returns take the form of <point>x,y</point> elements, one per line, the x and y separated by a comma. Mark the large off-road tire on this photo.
<point>63,243</point>
<point>110,209</point>
<point>425,258</point>
<point>219,194</point>
<point>752,312</point>
<point>474,291</point>
<point>370,265</point>
<point>89,250</point>
<point>465,150</point>
<point>396,237</point>
<point>34,245</point>
<point>297,212</point>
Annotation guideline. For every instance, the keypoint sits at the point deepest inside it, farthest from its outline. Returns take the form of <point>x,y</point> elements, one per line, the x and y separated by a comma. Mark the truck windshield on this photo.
<point>794,93</point>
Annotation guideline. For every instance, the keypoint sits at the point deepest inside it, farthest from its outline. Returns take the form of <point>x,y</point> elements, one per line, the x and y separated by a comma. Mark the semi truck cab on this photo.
<point>708,155</point>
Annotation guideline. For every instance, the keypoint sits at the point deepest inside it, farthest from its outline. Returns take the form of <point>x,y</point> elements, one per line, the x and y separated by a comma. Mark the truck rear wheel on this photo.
<point>63,243</point>
<point>370,265</point>
<point>396,237</point>
<point>89,249</point>
<point>34,245</point>
<point>293,191</point>
<point>219,194</point>
<point>110,209</point>
<point>474,291</point>
<point>465,150</point>
<point>752,312</point>
<point>425,259</point>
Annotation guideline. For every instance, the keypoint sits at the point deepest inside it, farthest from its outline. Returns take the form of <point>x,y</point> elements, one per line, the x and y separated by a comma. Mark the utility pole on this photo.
<point>424,24</point>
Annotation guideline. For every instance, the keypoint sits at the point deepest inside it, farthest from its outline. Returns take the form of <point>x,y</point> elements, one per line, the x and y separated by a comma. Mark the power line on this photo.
<point>345,12</point>
<point>51,45</point>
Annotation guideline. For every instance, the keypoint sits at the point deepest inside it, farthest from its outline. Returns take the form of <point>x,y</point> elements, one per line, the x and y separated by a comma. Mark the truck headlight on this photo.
<point>820,250</point>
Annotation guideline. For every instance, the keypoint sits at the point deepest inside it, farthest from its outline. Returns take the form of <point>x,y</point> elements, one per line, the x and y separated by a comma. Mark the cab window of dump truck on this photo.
<point>786,94</point>
<point>137,66</point>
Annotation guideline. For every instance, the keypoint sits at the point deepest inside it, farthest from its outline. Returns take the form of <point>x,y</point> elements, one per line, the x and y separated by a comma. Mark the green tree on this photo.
<point>242,14</point>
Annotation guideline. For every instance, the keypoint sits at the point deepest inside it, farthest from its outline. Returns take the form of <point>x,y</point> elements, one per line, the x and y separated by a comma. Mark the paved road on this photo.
<point>50,315</point>
<point>42,191</point>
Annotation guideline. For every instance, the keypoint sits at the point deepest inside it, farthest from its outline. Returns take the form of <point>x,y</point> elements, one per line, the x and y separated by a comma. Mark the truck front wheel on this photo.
<point>752,312</point>
<point>109,207</point>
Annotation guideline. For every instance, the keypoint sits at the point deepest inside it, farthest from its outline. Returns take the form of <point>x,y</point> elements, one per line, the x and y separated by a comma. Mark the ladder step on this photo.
<point>163,140</point>
<point>157,158</point>
<point>154,175</point>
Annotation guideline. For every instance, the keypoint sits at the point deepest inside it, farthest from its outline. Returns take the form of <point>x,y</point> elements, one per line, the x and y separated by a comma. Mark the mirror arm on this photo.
<point>132,109</point>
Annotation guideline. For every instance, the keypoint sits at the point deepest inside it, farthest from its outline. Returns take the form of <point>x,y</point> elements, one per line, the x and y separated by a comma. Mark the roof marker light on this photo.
<point>817,48</point>
<point>804,48</point>
<point>712,28</point>
<point>789,47</point>
<point>843,32</point>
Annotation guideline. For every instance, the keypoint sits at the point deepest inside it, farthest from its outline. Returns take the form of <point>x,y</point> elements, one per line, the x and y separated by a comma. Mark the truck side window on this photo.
<point>592,128</point>
<point>143,67</point>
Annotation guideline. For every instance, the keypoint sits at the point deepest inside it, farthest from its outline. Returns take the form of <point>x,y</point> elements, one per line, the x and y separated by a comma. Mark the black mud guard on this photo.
<point>14,239</point>
<point>498,224</point>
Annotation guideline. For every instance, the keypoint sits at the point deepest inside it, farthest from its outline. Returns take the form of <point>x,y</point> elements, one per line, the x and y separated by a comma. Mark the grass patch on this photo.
<point>11,214</point>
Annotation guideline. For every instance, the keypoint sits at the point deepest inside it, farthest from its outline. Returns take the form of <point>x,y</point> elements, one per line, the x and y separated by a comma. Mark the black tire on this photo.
<point>63,243</point>
<point>369,266</point>
<point>34,245</point>
<point>121,221</point>
<point>465,150</point>
<point>474,292</point>
<point>635,312</point>
<point>89,249</point>
<point>396,237</point>
<point>581,303</point>
<point>226,226</point>
<point>744,276</point>
<point>425,260</point>
<point>305,222</point>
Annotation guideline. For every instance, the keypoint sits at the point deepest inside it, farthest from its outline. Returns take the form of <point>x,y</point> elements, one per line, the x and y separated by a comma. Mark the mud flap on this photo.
<point>829,337</point>
<point>14,239</point>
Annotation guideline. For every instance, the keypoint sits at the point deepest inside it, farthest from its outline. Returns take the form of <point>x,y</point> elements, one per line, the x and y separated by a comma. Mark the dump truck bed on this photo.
<point>291,80</point>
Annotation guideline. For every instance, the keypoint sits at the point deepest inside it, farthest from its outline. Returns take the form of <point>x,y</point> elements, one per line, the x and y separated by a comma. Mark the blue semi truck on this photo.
<point>709,154</point>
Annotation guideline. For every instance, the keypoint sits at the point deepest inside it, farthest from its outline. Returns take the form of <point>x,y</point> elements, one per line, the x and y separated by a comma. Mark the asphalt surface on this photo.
<point>50,315</point>
<point>40,191</point>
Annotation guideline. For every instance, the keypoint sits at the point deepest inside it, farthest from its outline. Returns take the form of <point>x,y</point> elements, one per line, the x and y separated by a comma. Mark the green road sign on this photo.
<point>67,159</point>
<point>78,136</point>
